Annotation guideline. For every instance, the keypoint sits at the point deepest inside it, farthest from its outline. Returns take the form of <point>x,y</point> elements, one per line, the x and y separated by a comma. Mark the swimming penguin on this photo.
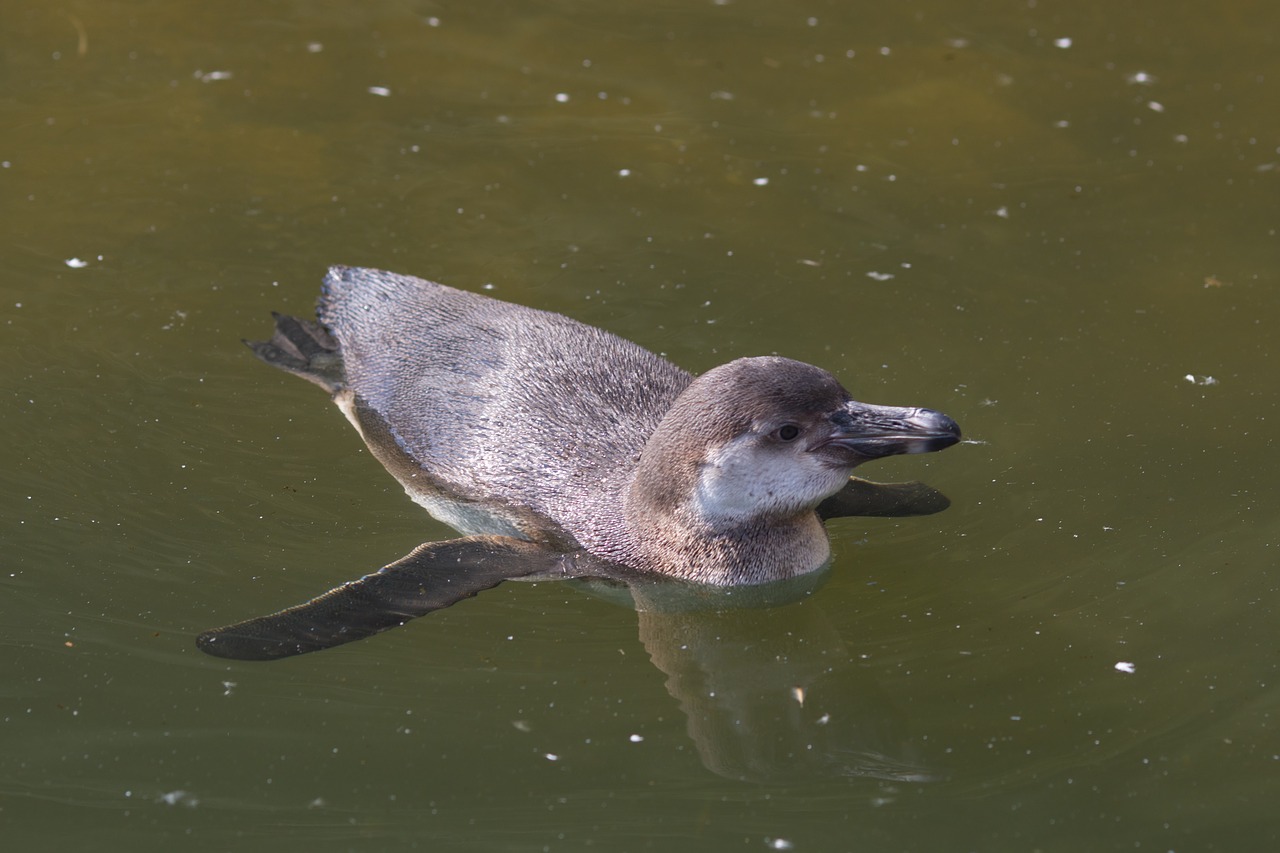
<point>560,450</point>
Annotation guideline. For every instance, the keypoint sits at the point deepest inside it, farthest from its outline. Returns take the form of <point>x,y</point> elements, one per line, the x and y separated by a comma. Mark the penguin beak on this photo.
<point>870,432</point>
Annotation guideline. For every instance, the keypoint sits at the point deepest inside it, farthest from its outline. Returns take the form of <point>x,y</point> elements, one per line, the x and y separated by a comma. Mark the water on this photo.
<point>1041,219</point>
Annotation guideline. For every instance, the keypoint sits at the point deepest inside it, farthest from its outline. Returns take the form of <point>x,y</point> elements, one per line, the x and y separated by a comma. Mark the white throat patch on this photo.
<point>741,480</point>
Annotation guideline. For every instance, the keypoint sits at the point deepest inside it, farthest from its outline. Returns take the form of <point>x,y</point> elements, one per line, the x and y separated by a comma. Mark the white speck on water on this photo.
<point>315,47</point>
<point>760,182</point>
<point>562,97</point>
<point>1125,666</point>
<point>1002,212</point>
<point>380,91</point>
<point>522,726</point>
<point>636,738</point>
<point>778,844</point>
<point>1063,43</point>
<point>1200,380</point>
<point>1140,78</point>
<point>76,263</point>
<point>1155,106</point>
<point>623,173</point>
<point>879,276</point>
<point>213,76</point>
<point>433,21</point>
<point>227,687</point>
<point>551,756</point>
<point>172,798</point>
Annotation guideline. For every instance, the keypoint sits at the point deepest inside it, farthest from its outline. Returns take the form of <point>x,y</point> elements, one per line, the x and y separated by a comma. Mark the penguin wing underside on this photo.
<point>430,577</point>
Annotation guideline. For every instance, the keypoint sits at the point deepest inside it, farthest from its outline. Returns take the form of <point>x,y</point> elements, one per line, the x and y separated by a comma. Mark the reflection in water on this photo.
<point>769,689</point>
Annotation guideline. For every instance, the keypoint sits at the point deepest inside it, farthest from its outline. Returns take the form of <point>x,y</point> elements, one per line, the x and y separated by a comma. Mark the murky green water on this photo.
<point>1053,221</point>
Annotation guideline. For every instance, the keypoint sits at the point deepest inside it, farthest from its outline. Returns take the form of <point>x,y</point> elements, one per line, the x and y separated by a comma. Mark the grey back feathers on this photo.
<point>498,402</point>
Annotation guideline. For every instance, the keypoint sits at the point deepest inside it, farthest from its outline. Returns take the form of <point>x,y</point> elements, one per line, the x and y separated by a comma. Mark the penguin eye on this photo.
<point>788,432</point>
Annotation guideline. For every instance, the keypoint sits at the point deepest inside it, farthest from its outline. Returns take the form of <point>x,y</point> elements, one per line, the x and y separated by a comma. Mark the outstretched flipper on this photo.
<point>862,497</point>
<point>430,577</point>
<point>304,349</point>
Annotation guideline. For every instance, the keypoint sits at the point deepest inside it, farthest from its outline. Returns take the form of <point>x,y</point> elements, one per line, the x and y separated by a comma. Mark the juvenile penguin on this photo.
<point>561,450</point>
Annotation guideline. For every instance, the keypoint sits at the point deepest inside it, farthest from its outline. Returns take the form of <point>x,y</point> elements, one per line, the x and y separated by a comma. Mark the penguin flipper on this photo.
<point>865,498</point>
<point>430,577</point>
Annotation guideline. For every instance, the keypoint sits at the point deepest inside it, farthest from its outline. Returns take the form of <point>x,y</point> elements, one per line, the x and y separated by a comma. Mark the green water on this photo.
<point>946,204</point>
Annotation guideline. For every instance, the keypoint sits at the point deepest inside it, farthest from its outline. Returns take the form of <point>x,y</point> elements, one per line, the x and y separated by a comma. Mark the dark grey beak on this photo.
<point>871,432</point>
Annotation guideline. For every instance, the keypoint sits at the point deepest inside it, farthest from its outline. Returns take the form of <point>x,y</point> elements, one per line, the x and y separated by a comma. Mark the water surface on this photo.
<point>1057,223</point>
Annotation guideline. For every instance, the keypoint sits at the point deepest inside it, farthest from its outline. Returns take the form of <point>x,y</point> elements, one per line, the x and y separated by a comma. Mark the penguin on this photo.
<point>559,450</point>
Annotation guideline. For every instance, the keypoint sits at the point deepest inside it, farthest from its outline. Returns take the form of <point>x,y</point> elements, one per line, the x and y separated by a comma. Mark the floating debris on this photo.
<point>173,798</point>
